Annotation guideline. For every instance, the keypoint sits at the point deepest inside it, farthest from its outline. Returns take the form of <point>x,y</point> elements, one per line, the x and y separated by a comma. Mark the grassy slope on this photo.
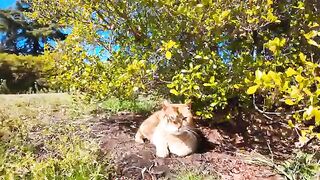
<point>46,136</point>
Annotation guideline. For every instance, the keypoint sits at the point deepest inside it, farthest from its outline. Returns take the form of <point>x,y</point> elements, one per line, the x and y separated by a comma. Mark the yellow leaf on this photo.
<point>316,114</point>
<point>225,14</point>
<point>299,78</point>
<point>295,92</point>
<point>307,91</point>
<point>302,57</point>
<point>290,124</point>
<point>199,5</point>
<point>168,55</point>
<point>303,133</point>
<point>311,128</point>
<point>309,110</point>
<point>311,34</point>
<point>170,44</point>
<point>290,72</point>
<point>318,135</point>
<point>197,57</point>
<point>282,42</point>
<point>300,5</point>
<point>285,86</point>
<point>252,89</point>
<point>303,139</point>
<point>237,86</point>
<point>312,42</point>
<point>173,91</point>
<point>258,74</point>
<point>273,48</point>
<point>289,102</point>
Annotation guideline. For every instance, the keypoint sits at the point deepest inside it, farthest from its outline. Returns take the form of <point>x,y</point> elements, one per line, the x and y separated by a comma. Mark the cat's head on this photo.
<point>184,109</point>
<point>173,120</point>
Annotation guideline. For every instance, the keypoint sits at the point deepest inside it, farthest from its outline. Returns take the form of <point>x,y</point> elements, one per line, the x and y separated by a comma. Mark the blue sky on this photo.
<point>92,50</point>
<point>4,4</point>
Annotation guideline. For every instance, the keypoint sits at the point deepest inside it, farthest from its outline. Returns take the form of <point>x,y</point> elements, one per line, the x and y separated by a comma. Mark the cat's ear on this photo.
<point>189,103</point>
<point>165,104</point>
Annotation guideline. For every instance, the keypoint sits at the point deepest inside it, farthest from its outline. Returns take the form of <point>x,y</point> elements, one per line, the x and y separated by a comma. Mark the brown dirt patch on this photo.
<point>218,155</point>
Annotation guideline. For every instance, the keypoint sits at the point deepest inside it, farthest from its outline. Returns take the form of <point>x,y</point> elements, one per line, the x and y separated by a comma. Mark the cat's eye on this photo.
<point>184,118</point>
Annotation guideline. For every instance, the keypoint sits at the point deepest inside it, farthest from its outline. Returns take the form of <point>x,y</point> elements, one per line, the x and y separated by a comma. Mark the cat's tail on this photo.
<point>204,144</point>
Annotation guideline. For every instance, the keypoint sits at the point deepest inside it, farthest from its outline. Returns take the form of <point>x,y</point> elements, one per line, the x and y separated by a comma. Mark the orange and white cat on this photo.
<point>148,126</point>
<point>172,136</point>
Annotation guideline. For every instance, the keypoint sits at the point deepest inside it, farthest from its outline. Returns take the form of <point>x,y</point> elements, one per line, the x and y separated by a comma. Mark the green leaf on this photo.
<point>290,72</point>
<point>168,55</point>
<point>289,102</point>
<point>252,89</point>
<point>212,79</point>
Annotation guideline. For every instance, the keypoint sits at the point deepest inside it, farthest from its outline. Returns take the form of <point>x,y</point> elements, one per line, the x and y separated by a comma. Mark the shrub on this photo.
<point>204,51</point>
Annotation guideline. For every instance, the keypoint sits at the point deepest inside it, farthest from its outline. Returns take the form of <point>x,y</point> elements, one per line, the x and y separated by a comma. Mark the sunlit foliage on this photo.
<point>205,51</point>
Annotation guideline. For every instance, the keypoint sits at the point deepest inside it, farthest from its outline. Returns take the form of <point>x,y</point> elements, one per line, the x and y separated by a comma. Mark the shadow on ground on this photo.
<point>219,154</point>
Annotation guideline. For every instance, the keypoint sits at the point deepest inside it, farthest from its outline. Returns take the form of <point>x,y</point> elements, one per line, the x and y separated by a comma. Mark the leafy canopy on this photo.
<point>205,51</point>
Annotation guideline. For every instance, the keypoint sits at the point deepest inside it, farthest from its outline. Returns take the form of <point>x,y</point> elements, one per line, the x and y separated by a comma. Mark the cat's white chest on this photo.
<point>183,146</point>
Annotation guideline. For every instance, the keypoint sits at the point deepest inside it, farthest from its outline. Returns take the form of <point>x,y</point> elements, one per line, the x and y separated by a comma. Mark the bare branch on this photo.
<point>273,113</point>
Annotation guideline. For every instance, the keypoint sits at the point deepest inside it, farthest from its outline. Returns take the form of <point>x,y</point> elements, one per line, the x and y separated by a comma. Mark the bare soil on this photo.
<point>224,152</point>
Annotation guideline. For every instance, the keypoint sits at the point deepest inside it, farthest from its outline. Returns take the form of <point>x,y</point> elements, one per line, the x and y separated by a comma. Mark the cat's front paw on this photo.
<point>139,138</point>
<point>162,153</point>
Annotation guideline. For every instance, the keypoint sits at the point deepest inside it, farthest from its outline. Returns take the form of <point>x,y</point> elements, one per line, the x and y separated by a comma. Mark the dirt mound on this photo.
<point>138,161</point>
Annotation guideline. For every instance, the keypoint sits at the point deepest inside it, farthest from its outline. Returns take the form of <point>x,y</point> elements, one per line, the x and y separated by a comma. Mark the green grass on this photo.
<point>48,137</point>
<point>302,166</point>
<point>141,105</point>
<point>195,175</point>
